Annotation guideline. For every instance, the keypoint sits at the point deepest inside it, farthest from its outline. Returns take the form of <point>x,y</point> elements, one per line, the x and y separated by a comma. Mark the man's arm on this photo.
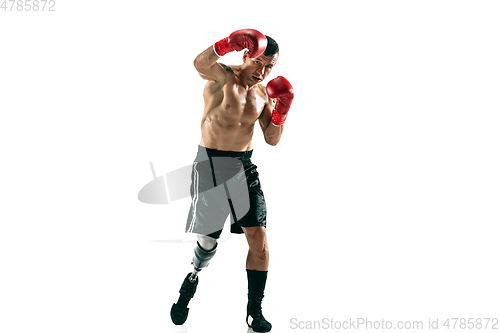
<point>274,115</point>
<point>206,62</point>
<point>272,133</point>
<point>208,68</point>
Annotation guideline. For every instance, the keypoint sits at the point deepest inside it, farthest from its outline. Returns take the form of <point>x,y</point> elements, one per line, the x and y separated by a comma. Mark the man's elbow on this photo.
<point>272,142</point>
<point>201,62</point>
<point>196,63</point>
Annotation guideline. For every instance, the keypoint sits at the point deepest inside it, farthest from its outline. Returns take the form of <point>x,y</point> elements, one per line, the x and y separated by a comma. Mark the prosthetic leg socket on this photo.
<point>202,257</point>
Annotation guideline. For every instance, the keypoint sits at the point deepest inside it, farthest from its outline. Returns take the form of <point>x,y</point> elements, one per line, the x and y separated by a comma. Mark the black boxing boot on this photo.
<point>256,286</point>
<point>179,310</point>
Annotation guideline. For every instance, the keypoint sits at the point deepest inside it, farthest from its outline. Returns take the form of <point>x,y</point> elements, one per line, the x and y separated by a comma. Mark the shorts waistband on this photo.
<point>241,155</point>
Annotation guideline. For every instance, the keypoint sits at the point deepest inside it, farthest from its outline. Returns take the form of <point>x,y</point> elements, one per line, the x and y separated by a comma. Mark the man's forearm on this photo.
<point>273,134</point>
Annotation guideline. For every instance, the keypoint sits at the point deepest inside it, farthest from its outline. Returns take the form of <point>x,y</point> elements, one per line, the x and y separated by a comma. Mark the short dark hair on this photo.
<point>272,47</point>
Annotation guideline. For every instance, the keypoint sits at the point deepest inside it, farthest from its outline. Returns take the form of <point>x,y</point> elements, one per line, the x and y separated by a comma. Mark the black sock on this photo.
<point>256,282</point>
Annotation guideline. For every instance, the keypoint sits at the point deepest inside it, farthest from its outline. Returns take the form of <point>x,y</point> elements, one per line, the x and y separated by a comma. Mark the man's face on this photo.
<point>257,69</point>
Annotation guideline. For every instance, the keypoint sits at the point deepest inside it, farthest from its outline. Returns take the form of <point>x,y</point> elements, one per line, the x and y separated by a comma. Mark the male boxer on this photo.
<point>234,101</point>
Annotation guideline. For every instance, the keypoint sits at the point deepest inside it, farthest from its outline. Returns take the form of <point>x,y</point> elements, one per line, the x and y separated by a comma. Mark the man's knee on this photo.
<point>257,240</point>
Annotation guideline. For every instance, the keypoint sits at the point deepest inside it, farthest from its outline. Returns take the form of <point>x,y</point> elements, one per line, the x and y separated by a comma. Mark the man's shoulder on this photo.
<point>227,68</point>
<point>213,85</point>
<point>263,90</point>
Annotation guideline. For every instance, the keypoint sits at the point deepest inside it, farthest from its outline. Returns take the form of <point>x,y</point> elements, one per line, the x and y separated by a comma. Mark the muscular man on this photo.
<point>234,101</point>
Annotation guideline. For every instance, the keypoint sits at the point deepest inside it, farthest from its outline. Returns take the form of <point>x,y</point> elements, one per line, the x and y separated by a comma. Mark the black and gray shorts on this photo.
<point>224,183</point>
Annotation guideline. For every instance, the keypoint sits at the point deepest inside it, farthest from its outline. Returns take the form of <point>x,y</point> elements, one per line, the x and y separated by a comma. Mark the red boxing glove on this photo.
<point>282,90</point>
<point>250,39</point>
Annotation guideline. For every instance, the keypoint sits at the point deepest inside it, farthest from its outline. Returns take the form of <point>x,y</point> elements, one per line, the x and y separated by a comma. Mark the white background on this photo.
<point>383,194</point>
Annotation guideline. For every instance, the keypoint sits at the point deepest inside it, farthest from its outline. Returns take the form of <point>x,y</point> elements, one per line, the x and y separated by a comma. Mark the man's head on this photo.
<point>257,69</point>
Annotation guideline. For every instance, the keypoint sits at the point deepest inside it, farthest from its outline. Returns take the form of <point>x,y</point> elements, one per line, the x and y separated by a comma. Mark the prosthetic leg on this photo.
<point>179,311</point>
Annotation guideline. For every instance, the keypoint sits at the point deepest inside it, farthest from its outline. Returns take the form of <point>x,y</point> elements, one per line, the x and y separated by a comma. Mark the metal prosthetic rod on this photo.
<point>193,276</point>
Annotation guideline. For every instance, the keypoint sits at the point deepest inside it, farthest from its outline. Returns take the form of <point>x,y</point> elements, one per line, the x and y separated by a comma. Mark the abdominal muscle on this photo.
<point>223,134</point>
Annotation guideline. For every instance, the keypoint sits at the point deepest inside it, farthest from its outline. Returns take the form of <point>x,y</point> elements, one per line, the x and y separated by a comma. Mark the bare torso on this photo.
<point>234,101</point>
<point>230,114</point>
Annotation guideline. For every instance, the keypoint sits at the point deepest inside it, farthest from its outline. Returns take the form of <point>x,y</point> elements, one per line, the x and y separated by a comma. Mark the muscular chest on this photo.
<point>242,104</point>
